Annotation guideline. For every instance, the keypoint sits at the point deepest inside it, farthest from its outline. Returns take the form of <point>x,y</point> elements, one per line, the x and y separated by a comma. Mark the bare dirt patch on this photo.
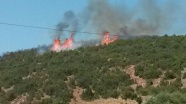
<point>8,89</point>
<point>139,81</point>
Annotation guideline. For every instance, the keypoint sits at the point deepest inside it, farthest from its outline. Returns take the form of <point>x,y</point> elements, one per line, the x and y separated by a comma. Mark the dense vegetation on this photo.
<point>98,70</point>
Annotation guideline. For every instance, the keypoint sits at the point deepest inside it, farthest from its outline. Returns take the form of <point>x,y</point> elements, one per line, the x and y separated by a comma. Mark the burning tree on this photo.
<point>68,43</point>
<point>57,46</point>
<point>106,40</point>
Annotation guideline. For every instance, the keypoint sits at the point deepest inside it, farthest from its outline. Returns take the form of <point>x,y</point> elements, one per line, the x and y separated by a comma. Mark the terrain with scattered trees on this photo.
<point>101,71</point>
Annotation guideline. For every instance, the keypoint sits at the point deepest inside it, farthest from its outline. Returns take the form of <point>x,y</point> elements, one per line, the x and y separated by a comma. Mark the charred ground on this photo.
<point>134,69</point>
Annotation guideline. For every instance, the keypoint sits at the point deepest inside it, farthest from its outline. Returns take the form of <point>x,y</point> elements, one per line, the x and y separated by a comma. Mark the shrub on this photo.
<point>128,92</point>
<point>87,94</point>
<point>168,98</point>
<point>177,82</point>
<point>139,100</point>
<point>10,96</point>
<point>46,101</point>
<point>184,75</point>
<point>169,75</point>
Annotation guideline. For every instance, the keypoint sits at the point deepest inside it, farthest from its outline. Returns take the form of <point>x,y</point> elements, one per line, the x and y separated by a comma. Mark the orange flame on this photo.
<point>106,40</point>
<point>68,43</point>
<point>57,45</point>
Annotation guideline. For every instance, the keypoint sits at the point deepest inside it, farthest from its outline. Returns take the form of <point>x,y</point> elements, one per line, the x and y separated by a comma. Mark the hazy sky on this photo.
<point>47,13</point>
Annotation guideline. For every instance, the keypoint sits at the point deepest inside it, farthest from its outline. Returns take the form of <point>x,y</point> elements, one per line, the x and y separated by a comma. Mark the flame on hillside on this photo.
<point>106,40</point>
<point>68,43</point>
<point>57,46</point>
<point>148,19</point>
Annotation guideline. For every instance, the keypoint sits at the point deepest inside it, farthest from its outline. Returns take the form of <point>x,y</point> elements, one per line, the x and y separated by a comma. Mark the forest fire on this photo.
<point>56,45</point>
<point>66,45</point>
<point>106,40</point>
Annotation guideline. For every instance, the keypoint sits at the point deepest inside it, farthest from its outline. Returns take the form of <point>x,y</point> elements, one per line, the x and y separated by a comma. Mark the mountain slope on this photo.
<point>130,69</point>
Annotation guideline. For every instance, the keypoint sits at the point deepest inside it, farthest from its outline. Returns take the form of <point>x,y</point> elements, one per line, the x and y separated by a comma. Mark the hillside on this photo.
<point>150,70</point>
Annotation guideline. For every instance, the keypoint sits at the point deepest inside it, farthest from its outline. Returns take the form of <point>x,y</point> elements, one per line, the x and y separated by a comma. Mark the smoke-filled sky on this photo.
<point>123,17</point>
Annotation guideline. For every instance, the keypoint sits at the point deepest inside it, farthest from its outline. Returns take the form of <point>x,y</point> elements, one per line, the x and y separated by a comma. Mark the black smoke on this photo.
<point>69,22</point>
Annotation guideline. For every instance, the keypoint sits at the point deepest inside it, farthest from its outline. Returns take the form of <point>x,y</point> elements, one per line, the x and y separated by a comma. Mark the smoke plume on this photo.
<point>147,18</point>
<point>69,22</point>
